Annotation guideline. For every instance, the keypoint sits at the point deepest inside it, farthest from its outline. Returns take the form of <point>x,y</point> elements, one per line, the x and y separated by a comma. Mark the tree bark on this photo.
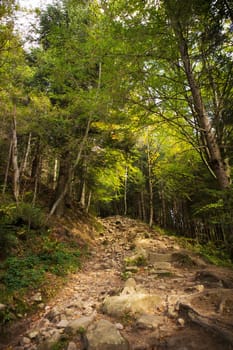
<point>24,163</point>
<point>215,160</point>
<point>150,180</point>
<point>16,172</point>
<point>125,190</point>
<point>7,168</point>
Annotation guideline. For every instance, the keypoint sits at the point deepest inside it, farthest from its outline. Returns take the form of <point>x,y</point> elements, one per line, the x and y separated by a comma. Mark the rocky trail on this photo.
<point>137,291</point>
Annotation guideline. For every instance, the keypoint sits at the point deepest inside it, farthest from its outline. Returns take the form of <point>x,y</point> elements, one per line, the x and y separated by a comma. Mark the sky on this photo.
<point>34,3</point>
<point>26,18</point>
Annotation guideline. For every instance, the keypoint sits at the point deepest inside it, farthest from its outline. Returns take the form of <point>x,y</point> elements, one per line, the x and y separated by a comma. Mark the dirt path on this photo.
<point>196,309</point>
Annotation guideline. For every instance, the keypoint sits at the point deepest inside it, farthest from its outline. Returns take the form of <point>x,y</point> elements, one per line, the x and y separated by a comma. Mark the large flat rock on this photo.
<point>135,304</point>
<point>103,335</point>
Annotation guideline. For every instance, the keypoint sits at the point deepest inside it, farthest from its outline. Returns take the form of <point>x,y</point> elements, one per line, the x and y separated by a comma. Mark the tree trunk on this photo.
<point>63,190</point>
<point>62,185</point>
<point>7,168</point>
<point>16,172</point>
<point>143,208</point>
<point>36,159</point>
<point>88,202</point>
<point>55,173</point>
<point>150,180</point>
<point>216,160</point>
<point>125,190</point>
<point>36,182</point>
<point>83,194</point>
<point>24,163</point>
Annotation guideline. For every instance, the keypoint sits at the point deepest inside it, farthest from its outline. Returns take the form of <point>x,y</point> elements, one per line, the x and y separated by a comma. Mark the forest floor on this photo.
<point>194,298</point>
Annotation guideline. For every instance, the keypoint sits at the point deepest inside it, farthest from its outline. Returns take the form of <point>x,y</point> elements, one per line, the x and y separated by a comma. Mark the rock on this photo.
<point>138,259</point>
<point>33,334</point>
<point>37,297</point>
<point>72,346</point>
<point>26,341</point>
<point>104,335</point>
<point>130,283</point>
<point>162,265</point>
<point>2,307</point>
<point>80,324</point>
<point>181,322</point>
<point>62,324</point>
<point>119,326</point>
<point>136,303</point>
<point>149,321</point>
<point>50,342</point>
<point>211,279</point>
<point>133,269</point>
<point>157,258</point>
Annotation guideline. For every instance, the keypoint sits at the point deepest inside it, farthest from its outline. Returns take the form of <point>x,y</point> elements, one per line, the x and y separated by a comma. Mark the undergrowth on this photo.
<point>32,259</point>
<point>214,252</point>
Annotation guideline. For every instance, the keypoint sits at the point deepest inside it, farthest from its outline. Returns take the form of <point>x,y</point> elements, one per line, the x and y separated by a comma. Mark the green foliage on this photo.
<point>58,258</point>
<point>16,221</point>
<point>60,345</point>
<point>22,272</point>
<point>215,253</point>
<point>137,260</point>
<point>29,271</point>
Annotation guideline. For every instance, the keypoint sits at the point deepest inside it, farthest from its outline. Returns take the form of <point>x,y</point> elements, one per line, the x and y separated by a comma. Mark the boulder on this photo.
<point>50,343</point>
<point>103,335</point>
<point>80,324</point>
<point>135,304</point>
<point>149,321</point>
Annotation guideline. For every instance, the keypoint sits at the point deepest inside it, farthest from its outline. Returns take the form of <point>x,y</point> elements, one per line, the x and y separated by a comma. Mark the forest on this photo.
<point>118,108</point>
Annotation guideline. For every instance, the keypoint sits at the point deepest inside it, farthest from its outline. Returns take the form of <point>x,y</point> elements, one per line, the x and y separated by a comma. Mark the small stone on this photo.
<point>33,334</point>
<point>181,322</point>
<point>26,341</point>
<point>37,297</point>
<point>72,346</point>
<point>62,324</point>
<point>2,307</point>
<point>200,288</point>
<point>119,326</point>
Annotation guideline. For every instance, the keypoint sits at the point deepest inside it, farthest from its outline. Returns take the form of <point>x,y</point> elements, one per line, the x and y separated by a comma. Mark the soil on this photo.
<point>197,308</point>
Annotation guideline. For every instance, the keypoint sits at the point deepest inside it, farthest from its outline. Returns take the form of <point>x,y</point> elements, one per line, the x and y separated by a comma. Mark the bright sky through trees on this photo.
<point>26,18</point>
<point>34,3</point>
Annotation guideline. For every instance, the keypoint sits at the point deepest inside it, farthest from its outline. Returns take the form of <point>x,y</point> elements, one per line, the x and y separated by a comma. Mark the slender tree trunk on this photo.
<point>36,182</point>
<point>88,201</point>
<point>125,190</point>
<point>36,159</point>
<point>150,181</point>
<point>62,185</point>
<point>143,205</point>
<point>7,168</point>
<point>83,194</point>
<point>216,160</point>
<point>55,173</point>
<point>16,172</point>
<point>24,163</point>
